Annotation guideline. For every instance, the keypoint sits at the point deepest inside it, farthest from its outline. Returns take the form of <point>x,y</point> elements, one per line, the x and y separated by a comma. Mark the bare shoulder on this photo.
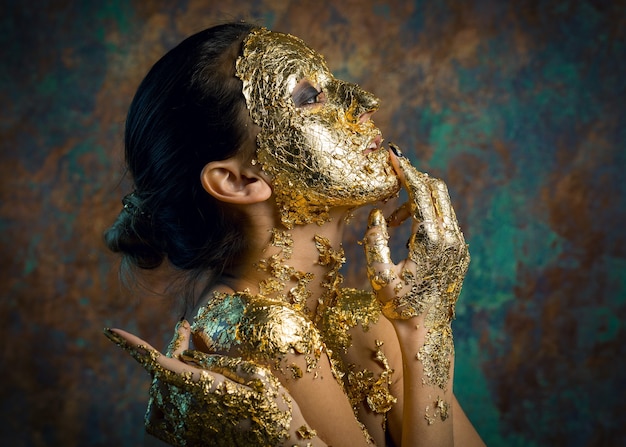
<point>272,333</point>
<point>255,328</point>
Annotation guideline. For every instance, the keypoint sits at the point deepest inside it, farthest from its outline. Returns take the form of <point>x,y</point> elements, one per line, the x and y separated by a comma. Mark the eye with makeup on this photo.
<point>306,95</point>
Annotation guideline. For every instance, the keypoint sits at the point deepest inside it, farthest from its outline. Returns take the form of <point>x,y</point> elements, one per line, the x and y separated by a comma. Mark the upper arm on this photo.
<point>291,346</point>
<point>282,339</point>
<point>322,400</point>
<point>365,354</point>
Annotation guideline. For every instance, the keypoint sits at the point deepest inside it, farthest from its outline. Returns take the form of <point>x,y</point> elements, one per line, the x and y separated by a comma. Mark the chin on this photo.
<point>389,189</point>
<point>382,192</point>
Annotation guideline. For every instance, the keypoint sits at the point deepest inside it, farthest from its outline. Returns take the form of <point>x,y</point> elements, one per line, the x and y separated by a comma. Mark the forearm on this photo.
<point>464,432</point>
<point>428,396</point>
<point>418,295</point>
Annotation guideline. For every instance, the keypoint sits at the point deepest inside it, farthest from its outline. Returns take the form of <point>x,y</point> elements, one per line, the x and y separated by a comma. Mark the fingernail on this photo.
<point>396,150</point>
<point>376,218</point>
<point>114,337</point>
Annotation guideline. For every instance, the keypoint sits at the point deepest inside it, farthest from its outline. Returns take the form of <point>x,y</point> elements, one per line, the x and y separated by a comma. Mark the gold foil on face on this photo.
<point>319,156</point>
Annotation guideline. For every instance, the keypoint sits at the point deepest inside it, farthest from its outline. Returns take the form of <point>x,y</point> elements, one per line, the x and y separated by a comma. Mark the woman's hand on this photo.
<point>202,399</point>
<point>418,296</point>
<point>432,274</point>
<point>424,287</point>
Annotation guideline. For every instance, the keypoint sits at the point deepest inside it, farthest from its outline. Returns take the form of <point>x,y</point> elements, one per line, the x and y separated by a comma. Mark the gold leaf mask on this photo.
<point>316,141</point>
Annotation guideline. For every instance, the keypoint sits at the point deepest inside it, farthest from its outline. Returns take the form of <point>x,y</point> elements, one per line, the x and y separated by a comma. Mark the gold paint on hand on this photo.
<point>427,284</point>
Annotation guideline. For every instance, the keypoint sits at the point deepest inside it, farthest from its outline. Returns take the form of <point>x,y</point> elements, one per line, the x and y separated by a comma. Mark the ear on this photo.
<point>232,181</point>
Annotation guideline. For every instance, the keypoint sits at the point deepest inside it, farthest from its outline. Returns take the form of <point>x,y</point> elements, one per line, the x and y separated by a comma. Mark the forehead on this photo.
<point>274,60</point>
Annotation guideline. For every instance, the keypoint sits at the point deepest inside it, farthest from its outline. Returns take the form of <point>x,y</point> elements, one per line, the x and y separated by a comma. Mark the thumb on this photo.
<point>377,254</point>
<point>180,341</point>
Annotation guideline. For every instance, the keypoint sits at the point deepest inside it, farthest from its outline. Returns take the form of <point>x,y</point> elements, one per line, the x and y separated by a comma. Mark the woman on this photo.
<point>247,157</point>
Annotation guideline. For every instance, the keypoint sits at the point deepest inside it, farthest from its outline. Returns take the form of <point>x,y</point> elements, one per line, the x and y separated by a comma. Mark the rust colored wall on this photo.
<point>517,105</point>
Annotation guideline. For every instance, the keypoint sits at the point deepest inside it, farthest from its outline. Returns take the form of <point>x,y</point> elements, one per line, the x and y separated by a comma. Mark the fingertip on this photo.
<point>119,337</point>
<point>110,334</point>
<point>114,334</point>
<point>376,218</point>
<point>396,150</point>
<point>395,164</point>
<point>182,326</point>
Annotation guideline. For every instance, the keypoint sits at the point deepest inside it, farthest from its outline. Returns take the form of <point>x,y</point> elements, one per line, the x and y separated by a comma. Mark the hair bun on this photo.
<point>133,236</point>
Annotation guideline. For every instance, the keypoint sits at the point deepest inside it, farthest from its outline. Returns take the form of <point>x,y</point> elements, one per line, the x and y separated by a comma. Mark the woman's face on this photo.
<point>316,140</point>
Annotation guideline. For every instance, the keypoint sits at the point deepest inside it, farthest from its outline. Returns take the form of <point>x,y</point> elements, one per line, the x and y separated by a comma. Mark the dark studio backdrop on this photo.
<point>517,105</point>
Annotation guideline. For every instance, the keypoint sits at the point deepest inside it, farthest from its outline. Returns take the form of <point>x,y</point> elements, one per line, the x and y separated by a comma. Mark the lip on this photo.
<point>374,145</point>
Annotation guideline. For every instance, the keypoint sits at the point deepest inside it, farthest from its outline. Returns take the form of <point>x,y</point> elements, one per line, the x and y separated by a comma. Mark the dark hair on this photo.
<point>188,111</point>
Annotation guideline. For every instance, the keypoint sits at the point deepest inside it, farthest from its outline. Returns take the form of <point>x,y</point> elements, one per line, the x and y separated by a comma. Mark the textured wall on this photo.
<point>517,105</point>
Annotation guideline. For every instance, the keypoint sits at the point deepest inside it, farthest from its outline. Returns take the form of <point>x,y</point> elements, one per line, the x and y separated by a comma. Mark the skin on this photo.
<point>326,123</point>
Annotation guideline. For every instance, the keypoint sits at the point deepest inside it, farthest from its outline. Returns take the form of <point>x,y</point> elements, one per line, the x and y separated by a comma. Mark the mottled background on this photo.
<point>517,105</point>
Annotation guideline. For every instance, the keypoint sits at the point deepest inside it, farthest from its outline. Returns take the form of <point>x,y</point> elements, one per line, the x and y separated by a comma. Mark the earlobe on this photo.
<point>230,182</point>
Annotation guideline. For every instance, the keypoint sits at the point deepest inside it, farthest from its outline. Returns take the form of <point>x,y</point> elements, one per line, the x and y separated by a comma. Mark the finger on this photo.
<point>400,215</point>
<point>420,205</point>
<point>417,186</point>
<point>451,232</point>
<point>377,254</point>
<point>151,359</point>
<point>125,340</point>
<point>139,349</point>
<point>421,201</point>
<point>234,368</point>
<point>180,341</point>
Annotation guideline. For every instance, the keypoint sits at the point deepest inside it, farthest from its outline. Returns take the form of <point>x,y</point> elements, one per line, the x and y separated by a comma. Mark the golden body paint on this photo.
<point>319,154</point>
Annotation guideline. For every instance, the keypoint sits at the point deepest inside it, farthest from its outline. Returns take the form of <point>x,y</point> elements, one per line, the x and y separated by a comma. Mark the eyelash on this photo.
<point>313,99</point>
<point>311,96</point>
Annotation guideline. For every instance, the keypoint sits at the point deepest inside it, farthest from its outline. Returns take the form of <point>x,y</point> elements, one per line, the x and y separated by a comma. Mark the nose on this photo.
<point>362,104</point>
<point>367,105</point>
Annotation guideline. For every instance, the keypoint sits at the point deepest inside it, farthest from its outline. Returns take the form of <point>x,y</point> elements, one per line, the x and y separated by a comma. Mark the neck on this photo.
<point>299,266</point>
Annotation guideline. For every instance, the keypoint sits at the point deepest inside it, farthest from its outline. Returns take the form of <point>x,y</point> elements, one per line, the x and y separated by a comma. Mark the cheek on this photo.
<point>326,133</point>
